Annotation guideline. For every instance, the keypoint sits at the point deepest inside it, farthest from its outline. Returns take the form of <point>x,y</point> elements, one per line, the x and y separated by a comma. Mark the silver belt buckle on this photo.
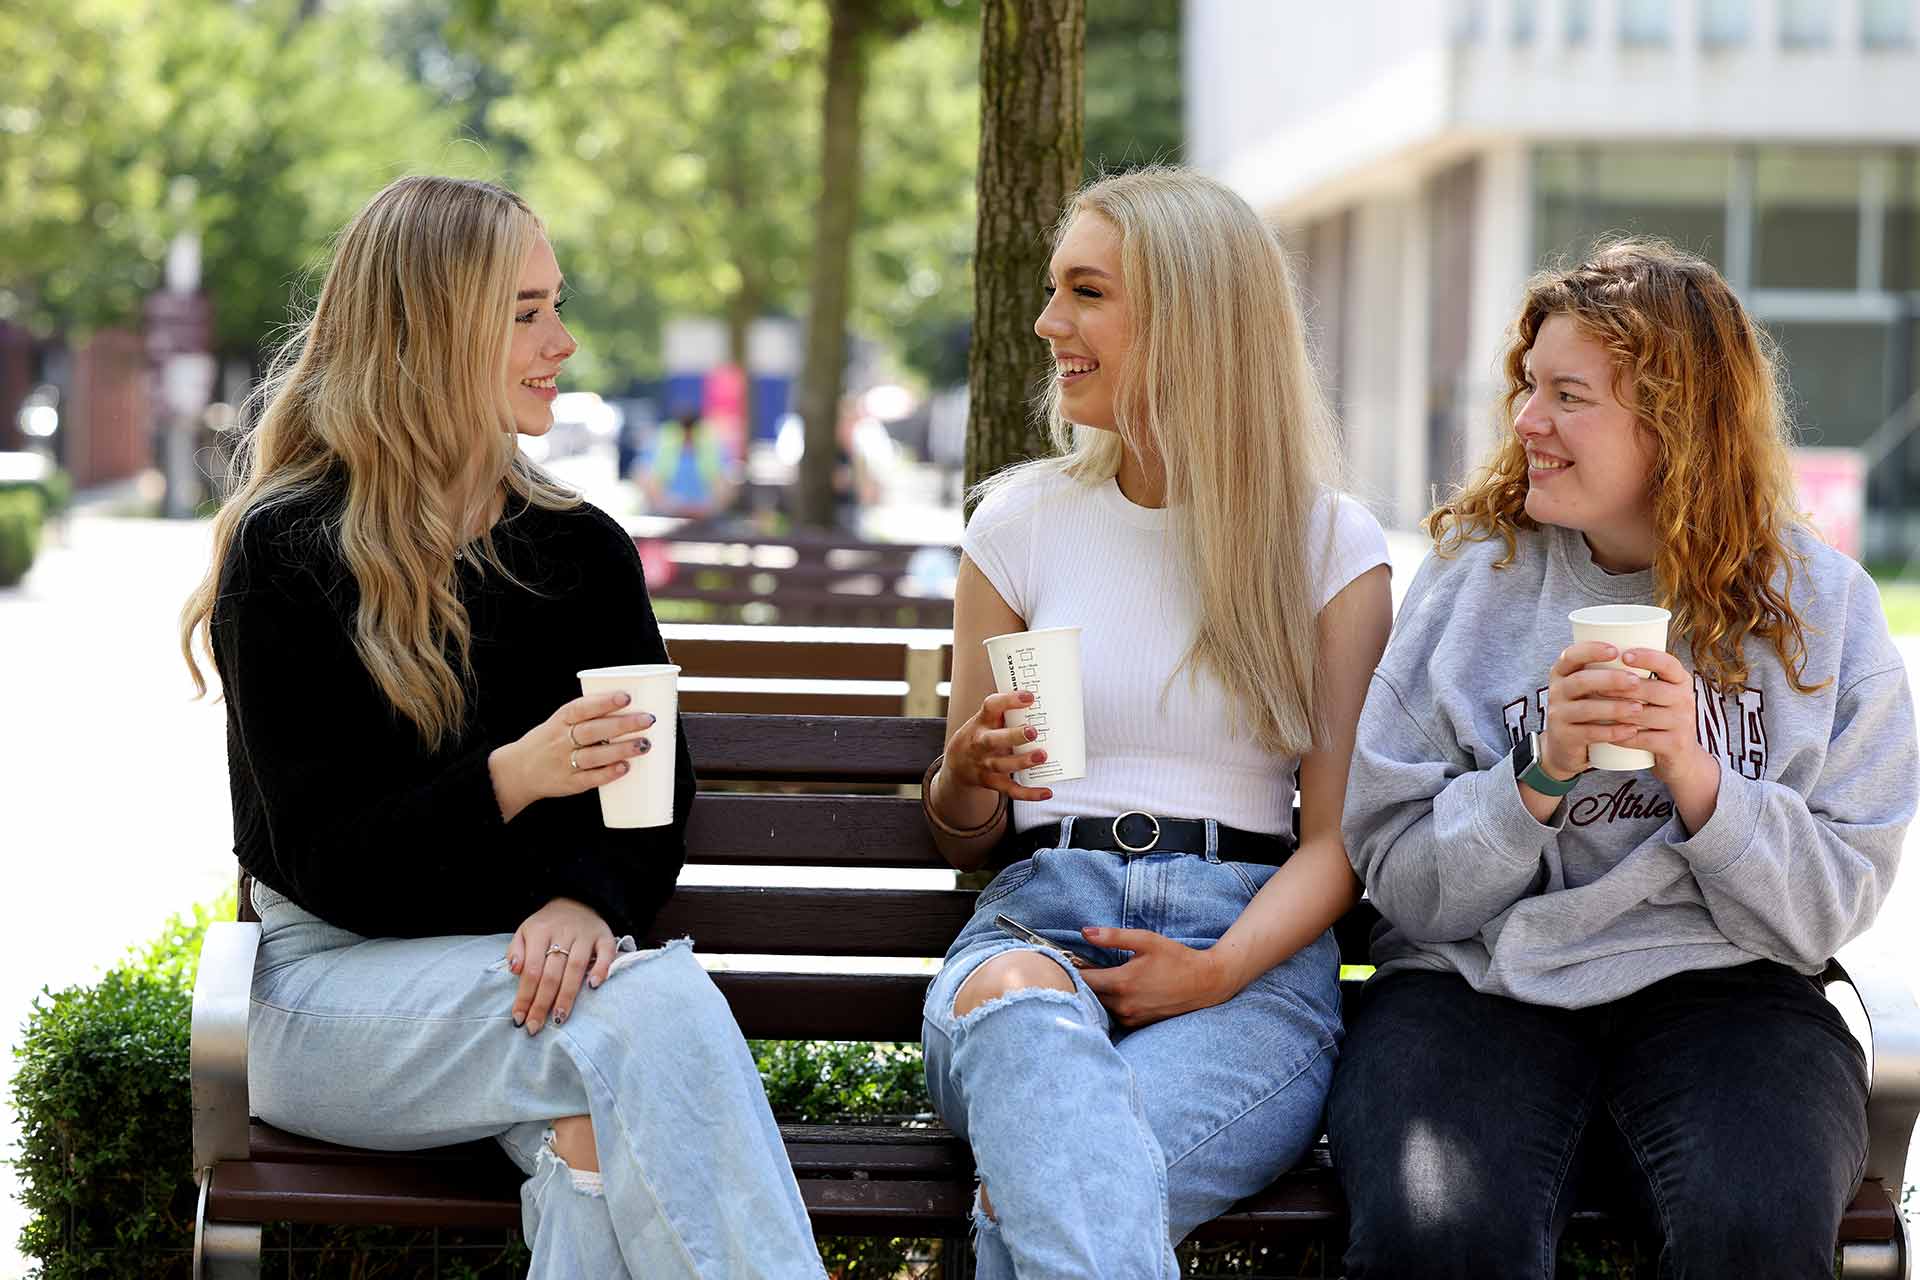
<point>1121,840</point>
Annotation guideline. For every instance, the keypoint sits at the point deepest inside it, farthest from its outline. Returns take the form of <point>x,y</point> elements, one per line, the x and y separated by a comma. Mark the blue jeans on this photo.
<point>398,1044</point>
<point>1726,1108</point>
<point>1100,1147</point>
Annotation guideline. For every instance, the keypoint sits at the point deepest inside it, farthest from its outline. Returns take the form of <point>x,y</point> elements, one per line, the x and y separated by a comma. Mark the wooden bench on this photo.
<point>804,579</point>
<point>855,1179</point>
<point>817,671</point>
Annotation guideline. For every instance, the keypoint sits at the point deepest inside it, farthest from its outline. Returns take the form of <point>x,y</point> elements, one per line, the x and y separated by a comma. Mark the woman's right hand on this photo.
<point>1586,705</point>
<point>984,752</point>
<point>571,751</point>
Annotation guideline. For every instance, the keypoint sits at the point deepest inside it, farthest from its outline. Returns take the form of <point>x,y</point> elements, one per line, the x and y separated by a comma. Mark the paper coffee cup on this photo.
<point>1045,663</point>
<point>644,797</point>
<point>1624,626</point>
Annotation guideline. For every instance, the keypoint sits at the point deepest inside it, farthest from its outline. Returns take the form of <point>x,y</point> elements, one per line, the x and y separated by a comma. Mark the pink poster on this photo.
<point>724,407</point>
<point>1832,484</point>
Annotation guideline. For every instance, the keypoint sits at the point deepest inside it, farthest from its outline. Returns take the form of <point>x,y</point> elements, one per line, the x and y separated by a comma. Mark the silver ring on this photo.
<point>1120,840</point>
<point>557,950</point>
<point>573,758</point>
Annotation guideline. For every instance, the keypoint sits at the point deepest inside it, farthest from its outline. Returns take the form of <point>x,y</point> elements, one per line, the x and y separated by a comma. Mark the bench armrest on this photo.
<point>1893,1029</point>
<point>222,996</point>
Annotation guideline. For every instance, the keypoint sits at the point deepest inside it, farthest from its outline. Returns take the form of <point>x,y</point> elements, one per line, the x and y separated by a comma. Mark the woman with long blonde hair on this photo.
<point>1591,970</point>
<point>397,608</point>
<point>1158,1044</point>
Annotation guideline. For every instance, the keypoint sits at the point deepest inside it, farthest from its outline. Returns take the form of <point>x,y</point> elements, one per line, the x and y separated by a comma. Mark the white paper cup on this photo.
<point>1624,626</point>
<point>644,797</point>
<point>1045,663</point>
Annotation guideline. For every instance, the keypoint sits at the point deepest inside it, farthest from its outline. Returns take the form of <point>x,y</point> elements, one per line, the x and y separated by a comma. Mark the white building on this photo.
<point>1426,155</point>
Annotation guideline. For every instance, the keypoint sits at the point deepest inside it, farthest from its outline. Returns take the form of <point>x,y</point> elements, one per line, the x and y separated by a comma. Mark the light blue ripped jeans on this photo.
<point>397,1044</point>
<point>1100,1147</point>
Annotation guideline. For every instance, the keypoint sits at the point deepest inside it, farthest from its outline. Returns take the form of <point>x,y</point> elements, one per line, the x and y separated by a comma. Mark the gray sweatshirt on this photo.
<point>1816,790</point>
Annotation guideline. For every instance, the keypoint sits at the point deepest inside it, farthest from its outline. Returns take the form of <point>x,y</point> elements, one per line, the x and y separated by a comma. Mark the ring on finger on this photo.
<point>555,949</point>
<point>573,760</point>
<point>570,738</point>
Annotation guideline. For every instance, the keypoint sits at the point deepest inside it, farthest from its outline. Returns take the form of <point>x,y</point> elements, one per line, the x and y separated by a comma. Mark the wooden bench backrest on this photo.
<point>836,831</point>
<point>821,580</point>
<point>914,675</point>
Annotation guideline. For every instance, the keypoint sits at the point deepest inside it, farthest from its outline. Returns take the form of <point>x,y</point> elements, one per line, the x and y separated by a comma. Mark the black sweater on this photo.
<point>336,802</point>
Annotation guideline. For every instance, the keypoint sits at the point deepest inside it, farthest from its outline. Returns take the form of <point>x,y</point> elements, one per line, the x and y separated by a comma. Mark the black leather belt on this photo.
<point>1137,832</point>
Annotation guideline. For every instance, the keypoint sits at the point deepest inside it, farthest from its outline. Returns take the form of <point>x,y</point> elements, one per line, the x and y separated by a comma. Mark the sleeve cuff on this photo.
<point>1501,818</point>
<point>1729,833</point>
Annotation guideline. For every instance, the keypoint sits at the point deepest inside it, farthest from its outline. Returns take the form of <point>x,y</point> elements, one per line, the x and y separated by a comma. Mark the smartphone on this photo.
<point>1025,934</point>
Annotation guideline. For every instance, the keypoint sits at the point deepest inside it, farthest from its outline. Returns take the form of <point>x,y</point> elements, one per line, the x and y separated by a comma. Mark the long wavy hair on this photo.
<point>1219,386</point>
<point>396,382</point>
<point>1702,380</point>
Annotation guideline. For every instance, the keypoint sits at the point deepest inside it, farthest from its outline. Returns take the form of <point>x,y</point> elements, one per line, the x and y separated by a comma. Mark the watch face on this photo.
<point>1523,755</point>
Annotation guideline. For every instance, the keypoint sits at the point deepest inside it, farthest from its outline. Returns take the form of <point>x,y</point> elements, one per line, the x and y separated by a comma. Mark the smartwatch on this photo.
<point>1526,768</point>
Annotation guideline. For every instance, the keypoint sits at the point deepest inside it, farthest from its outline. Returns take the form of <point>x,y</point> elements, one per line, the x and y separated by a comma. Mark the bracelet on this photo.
<point>945,828</point>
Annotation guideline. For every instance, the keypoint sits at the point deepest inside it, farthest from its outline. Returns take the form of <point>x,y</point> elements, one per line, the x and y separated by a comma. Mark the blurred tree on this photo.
<point>854,28</point>
<point>123,122</point>
<point>1133,84</point>
<point>1030,156</point>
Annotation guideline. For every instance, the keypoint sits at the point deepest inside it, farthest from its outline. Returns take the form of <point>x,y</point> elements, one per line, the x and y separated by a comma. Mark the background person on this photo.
<point>1618,971</point>
<point>397,607</point>
<point>1233,606</point>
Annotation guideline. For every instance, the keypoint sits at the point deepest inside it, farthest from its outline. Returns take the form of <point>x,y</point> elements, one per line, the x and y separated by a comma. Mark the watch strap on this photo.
<point>1527,769</point>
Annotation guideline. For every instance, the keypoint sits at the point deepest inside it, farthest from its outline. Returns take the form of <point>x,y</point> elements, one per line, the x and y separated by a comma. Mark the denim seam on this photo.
<point>1320,1051</point>
<point>1560,1186</point>
<point>1646,1171</point>
<point>372,1014</point>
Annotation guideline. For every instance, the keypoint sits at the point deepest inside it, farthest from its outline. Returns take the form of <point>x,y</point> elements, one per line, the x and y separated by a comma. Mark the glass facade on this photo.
<point>1900,254</point>
<point>1726,24</point>
<point>1646,22</point>
<point>1886,24</point>
<point>1677,192</point>
<point>1806,24</point>
<point>1837,378</point>
<point>1806,218</point>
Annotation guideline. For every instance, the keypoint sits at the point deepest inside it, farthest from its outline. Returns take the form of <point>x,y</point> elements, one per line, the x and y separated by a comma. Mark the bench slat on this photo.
<point>818,831</point>
<point>806,748</point>
<point>825,1006</point>
<point>790,659</point>
<point>801,922</point>
<point>741,701</point>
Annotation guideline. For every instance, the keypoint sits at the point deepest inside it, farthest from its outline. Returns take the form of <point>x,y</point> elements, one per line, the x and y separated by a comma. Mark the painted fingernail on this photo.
<point>1032,733</point>
<point>594,983</point>
<point>622,699</point>
<point>559,1017</point>
<point>649,718</point>
<point>620,767</point>
<point>1039,757</point>
<point>642,746</point>
<point>1026,695</point>
<point>1047,795</point>
<point>520,1020</point>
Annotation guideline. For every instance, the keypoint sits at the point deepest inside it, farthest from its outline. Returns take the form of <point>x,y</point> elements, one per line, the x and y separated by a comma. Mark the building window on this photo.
<point>1579,21</point>
<point>1726,24</point>
<point>1524,21</point>
<point>1678,193</point>
<point>1806,218</point>
<point>1900,263</point>
<point>1646,22</point>
<point>1836,379</point>
<point>1469,21</point>
<point>1886,24</point>
<point>1806,24</point>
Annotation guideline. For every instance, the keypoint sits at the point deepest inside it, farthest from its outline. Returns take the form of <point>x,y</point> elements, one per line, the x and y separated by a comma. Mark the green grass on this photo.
<point>1901,600</point>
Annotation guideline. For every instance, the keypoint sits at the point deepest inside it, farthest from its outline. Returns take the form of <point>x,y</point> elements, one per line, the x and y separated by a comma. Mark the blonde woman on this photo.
<point>397,607</point>
<point>1167,1050</point>
<point>1613,976</point>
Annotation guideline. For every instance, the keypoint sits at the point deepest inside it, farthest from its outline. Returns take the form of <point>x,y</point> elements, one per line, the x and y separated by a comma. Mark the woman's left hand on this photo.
<point>1164,978</point>
<point>1665,719</point>
<point>552,951</point>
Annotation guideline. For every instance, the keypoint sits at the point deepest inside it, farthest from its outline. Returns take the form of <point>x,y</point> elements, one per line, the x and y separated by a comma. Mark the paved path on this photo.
<point>113,807</point>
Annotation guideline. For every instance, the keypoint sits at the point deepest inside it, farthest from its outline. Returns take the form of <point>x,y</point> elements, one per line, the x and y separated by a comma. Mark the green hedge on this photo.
<point>22,510</point>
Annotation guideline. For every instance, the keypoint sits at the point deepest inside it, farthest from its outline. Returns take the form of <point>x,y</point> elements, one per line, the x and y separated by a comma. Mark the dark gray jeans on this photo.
<point>1726,1107</point>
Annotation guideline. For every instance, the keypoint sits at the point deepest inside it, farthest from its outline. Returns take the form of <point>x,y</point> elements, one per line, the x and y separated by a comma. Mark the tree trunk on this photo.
<point>1031,138</point>
<point>833,223</point>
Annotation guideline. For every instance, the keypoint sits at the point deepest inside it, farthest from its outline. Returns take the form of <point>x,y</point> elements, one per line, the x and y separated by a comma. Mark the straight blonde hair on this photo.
<point>396,383</point>
<point>1220,387</point>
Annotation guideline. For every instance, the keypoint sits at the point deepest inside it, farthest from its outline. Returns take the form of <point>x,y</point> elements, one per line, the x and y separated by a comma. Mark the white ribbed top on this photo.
<point>1062,553</point>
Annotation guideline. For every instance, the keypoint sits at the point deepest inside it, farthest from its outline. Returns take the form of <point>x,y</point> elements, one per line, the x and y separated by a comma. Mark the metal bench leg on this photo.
<point>223,1250</point>
<point>1872,1262</point>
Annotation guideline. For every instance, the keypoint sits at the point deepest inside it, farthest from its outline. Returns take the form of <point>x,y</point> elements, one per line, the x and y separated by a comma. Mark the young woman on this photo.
<point>397,607</point>
<point>1232,607</point>
<point>1617,970</point>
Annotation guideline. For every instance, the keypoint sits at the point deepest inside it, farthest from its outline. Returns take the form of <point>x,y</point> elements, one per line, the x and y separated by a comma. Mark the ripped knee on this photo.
<point>1006,973</point>
<point>986,1205</point>
<point>572,1141</point>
